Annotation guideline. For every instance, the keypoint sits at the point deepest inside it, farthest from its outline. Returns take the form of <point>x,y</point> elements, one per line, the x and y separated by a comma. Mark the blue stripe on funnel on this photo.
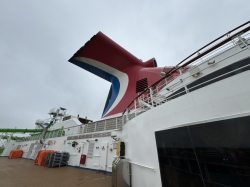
<point>103,74</point>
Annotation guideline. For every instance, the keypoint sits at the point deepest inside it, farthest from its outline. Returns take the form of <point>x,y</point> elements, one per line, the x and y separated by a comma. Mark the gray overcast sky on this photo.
<point>38,37</point>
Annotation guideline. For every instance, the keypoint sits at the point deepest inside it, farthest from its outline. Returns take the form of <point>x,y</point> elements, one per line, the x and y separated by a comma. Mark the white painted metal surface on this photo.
<point>103,156</point>
<point>225,99</point>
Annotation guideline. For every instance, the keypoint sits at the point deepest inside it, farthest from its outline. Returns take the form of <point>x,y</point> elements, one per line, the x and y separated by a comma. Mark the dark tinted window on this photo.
<point>223,151</point>
<point>177,159</point>
<point>221,148</point>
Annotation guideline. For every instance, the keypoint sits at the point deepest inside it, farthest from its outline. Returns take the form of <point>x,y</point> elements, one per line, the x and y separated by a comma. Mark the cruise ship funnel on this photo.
<point>106,59</point>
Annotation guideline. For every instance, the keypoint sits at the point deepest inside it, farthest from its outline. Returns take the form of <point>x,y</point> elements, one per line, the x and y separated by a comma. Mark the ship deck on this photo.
<point>24,173</point>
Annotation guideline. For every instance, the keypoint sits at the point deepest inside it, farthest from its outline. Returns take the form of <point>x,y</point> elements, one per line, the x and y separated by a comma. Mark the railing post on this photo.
<point>240,38</point>
<point>139,104</point>
<point>151,96</point>
<point>116,122</point>
<point>183,82</point>
<point>81,129</point>
<point>86,126</point>
<point>143,99</point>
<point>135,106</point>
<point>127,115</point>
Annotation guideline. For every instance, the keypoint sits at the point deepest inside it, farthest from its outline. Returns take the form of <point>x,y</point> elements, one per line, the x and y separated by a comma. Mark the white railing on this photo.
<point>189,70</point>
<point>91,130</point>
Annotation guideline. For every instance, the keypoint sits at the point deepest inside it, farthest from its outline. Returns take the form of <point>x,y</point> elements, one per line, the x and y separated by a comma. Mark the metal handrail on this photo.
<point>173,85</point>
<point>167,98</point>
<point>179,66</point>
<point>142,166</point>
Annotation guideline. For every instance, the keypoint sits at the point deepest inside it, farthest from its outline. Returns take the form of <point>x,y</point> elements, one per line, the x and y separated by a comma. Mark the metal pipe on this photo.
<point>21,130</point>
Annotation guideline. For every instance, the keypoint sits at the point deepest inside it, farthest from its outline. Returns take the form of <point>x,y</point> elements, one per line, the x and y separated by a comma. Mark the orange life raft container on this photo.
<point>16,154</point>
<point>41,157</point>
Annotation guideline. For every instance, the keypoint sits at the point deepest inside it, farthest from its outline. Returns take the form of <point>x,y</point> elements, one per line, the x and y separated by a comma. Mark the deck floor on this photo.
<point>24,173</point>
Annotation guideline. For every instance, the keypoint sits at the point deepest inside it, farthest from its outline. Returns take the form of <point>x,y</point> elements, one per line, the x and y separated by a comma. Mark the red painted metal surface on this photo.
<point>102,49</point>
<point>83,159</point>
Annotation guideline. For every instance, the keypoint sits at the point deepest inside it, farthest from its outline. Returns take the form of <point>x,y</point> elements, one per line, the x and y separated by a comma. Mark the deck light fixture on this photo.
<point>162,74</point>
<point>211,62</point>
